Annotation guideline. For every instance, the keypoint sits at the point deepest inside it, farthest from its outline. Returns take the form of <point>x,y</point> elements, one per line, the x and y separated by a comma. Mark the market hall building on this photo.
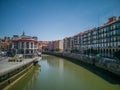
<point>25,45</point>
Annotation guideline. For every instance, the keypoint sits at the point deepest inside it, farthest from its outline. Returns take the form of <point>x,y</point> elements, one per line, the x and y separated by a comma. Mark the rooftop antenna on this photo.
<point>23,34</point>
<point>98,21</point>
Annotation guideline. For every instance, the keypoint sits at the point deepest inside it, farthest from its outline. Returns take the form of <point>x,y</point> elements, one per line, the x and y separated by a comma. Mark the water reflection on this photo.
<point>61,65</point>
<point>60,74</point>
<point>28,80</point>
<point>33,78</point>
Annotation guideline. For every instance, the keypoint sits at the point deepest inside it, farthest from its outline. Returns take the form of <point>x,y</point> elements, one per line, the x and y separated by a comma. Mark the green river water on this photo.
<point>59,74</point>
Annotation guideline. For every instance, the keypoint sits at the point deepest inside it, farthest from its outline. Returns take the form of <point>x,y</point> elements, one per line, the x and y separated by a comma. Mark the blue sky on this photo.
<point>54,19</point>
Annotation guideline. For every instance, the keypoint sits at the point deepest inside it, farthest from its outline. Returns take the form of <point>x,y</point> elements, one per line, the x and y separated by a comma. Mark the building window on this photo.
<point>114,32</point>
<point>27,51</point>
<point>111,27</point>
<point>118,32</point>
<point>22,45</point>
<point>114,38</point>
<point>31,45</point>
<point>16,45</point>
<point>104,29</point>
<point>27,44</point>
<point>108,44</point>
<point>118,25</point>
<point>112,44</point>
<point>105,44</point>
<point>115,44</point>
<point>118,43</point>
<point>108,29</point>
<point>114,26</point>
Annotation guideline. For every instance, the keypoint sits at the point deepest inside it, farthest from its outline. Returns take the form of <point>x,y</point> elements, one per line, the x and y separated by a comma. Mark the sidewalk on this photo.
<point>6,67</point>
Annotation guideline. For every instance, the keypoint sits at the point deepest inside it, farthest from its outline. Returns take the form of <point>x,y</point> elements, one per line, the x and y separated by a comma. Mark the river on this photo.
<point>60,74</point>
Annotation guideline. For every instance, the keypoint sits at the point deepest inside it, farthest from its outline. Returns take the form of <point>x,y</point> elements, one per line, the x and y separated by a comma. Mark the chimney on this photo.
<point>112,19</point>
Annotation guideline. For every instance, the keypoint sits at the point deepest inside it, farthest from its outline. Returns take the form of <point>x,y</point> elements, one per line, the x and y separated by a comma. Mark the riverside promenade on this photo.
<point>8,69</point>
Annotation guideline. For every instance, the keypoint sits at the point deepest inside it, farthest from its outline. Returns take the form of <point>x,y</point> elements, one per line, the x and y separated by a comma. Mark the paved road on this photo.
<point>2,58</point>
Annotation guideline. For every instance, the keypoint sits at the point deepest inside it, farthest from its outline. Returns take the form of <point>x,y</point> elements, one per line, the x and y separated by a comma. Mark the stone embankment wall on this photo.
<point>9,75</point>
<point>14,77</point>
<point>111,66</point>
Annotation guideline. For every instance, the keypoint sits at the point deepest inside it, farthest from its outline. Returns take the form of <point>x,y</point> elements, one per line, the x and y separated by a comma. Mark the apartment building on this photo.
<point>5,43</point>
<point>108,37</point>
<point>103,40</point>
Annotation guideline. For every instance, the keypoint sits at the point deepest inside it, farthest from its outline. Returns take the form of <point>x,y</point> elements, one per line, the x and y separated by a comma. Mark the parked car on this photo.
<point>12,59</point>
<point>16,58</point>
<point>39,53</point>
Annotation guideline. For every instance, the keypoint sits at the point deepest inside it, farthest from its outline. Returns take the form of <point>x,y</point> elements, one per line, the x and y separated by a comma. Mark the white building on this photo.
<point>61,45</point>
<point>23,44</point>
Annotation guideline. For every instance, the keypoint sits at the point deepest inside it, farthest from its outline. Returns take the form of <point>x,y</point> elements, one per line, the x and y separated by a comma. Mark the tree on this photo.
<point>57,49</point>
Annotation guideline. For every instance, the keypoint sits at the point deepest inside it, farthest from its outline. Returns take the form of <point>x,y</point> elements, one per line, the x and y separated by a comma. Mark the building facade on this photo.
<point>23,44</point>
<point>61,45</point>
<point>103,40</point>
<point>5,44</point>
<point>67,45</point>
<point>108,37</point>
<point>43,46</point>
